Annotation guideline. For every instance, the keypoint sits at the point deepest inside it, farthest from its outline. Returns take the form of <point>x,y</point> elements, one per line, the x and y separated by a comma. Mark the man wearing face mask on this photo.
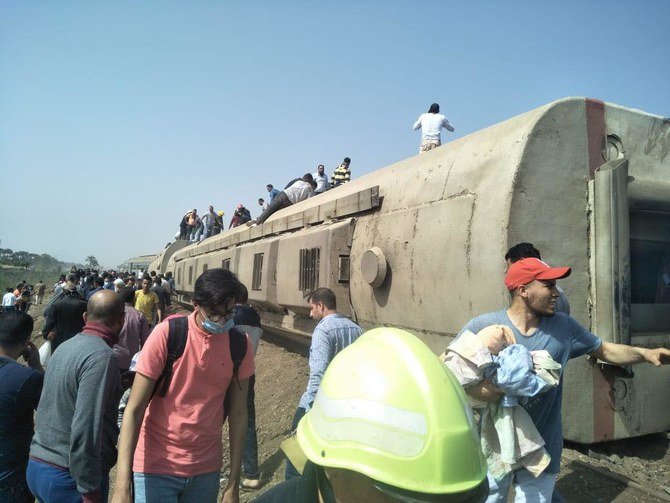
<point>170,446</point>
<point>75,429</point>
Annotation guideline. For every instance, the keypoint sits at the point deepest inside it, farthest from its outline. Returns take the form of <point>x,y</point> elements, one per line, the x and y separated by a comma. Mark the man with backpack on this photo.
<point>191,374</point>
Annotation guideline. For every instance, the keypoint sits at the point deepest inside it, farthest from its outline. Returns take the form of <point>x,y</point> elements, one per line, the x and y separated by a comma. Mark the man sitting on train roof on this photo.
<point>533,318</point>
<point>297,190</point>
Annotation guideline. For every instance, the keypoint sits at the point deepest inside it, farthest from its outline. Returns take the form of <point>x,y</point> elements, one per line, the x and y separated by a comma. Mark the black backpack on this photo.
<point>177,335</point>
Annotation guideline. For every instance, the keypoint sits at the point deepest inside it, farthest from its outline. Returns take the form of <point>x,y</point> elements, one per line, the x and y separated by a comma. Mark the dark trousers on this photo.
<point>280,201</point>
<point>291,471</point>
<point>17,492</point>
<point>250,459</point>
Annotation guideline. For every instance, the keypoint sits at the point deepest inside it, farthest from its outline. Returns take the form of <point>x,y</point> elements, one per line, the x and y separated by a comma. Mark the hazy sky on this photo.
<point>117,117</point>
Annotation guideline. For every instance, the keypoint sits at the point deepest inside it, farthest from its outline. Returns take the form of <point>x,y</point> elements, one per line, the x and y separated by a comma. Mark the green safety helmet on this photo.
<point>388,408</point>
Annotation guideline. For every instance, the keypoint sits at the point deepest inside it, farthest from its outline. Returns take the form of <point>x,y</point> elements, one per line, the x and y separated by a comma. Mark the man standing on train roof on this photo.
<point>272,191</point>
<point>431,124</point>
<point>536,325</point>
<point>321,180</point>
<point>208,221</point>
<point>342,173</point>
<point>332,334</point>
<point>527,250</point>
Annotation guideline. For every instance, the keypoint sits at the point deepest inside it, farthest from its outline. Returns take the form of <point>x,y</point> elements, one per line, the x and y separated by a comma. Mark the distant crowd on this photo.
<point>194,227</point>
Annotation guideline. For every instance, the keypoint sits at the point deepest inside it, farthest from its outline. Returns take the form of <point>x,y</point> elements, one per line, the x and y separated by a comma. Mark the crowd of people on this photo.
<point>194,228</point>
<point>369,425</point>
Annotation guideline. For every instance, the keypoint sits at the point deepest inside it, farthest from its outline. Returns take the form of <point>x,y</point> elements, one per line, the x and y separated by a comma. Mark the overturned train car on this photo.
<point>420,245</point>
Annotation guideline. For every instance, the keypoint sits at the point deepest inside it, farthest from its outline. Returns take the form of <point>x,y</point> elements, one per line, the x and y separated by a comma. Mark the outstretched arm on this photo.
<point>621,354</point>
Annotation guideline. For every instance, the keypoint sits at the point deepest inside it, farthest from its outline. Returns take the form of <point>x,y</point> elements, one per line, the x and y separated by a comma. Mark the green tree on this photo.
<point>92,261</point>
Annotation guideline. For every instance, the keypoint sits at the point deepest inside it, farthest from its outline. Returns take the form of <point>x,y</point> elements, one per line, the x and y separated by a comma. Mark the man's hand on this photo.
<point>658,356</point>
<point>50,336</point>
<point>230,495</point>
<point>32,357</point>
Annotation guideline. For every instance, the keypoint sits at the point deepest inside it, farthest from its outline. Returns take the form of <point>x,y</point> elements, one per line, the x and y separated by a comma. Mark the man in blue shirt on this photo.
<point>331,335</point>
<point>20,389</point>
<point>272,191</point>
<point>536,325</point>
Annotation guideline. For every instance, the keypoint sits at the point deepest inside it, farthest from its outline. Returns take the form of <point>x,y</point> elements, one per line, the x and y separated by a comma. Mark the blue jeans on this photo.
<point>55,485</point>
<point>150,488</point>
<point>291,472</point>
<point>250,459</point>
<point>526,487</point>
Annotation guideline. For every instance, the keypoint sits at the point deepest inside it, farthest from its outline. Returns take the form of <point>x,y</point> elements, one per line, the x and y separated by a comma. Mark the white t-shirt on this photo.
<point>321,182</point>
<point>431,125</point>
<point>8,300</point>
<point>299,191</point>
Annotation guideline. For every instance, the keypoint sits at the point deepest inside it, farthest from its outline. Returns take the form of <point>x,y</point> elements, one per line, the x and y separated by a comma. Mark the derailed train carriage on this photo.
<point>420,244</point>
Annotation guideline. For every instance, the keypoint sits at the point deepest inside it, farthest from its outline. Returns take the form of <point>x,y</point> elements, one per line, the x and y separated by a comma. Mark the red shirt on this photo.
<point>181,432</point>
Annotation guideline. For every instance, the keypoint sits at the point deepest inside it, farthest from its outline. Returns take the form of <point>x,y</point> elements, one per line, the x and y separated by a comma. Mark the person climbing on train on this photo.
<point>431,125</point>
<point>536,325</point>
<point>170,446</point>
<point>297,190</point>
<point>390,423</point>
<point>342,173</point>
<point>272,192</point>
<point>241,216</point>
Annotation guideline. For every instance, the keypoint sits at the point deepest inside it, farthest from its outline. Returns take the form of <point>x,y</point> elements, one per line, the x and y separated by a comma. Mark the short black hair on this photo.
<point>15,329</point>
<point>269,185</point>
<point>434,109</point>
<point>127,294</point>
<point>215,287</point>
<point>244,295</point>
<point>347,160</point>
<point>324,295</point>
<point>98,281</point>
<point>157,281</point>
<point>307,177</point>
<point>522,250</point>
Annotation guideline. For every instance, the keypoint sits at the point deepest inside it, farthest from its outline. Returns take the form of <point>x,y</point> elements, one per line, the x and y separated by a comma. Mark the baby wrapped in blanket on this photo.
<point>509,437</point>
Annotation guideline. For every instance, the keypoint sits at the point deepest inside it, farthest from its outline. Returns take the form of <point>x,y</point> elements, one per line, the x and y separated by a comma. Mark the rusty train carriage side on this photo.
<point>420,245</point>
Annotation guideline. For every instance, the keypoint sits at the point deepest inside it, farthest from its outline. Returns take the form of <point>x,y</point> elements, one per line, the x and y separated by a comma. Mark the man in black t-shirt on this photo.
<point>20,389</point>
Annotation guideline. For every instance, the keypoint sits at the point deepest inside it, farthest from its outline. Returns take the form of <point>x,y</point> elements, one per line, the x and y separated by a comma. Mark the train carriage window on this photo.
<point>190,275</point>
<point>343,269</point>
<point>256,280</point>
<point>179,276</point>
<point>650,271</point>
<point>225,264</point>
<point>309,269</point>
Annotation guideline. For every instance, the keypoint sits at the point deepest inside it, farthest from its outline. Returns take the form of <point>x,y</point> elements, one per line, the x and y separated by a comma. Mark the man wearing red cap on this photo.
<point>536,325</point>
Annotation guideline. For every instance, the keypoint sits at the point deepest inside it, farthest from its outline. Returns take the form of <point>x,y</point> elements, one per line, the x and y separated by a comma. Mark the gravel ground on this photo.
<point>280,380</point>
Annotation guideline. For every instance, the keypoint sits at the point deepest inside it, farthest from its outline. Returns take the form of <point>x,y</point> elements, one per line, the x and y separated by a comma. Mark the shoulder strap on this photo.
<point>238,350</point>
<point>177,335</point>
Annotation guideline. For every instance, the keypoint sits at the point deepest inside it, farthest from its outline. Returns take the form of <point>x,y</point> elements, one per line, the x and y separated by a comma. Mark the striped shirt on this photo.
<point>331,335</point>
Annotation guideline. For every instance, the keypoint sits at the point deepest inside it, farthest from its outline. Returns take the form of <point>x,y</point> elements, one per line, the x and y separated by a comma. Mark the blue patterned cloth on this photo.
<point>331,335</point>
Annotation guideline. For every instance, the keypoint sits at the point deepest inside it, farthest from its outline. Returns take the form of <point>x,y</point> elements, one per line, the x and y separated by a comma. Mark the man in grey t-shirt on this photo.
<point>536,325</point>
<point>74,446</point>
